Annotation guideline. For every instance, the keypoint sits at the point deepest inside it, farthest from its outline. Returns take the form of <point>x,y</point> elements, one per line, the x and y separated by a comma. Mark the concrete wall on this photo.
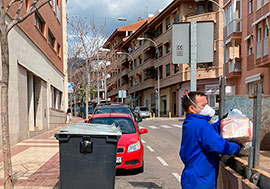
<point>147,97</point>
<point>57,118</point>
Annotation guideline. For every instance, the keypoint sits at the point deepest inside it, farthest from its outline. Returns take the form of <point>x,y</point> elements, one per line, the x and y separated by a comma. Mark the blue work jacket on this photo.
<point>200,151</point>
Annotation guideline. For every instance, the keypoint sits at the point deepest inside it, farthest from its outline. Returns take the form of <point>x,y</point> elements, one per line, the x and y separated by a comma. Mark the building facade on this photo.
<point>38,71</point>
<point>139,76</point>
<point>247,45</point>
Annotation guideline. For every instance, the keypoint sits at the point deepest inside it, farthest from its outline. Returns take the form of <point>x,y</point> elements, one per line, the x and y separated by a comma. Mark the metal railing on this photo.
<point>235,26</point>
<point>234,66</point>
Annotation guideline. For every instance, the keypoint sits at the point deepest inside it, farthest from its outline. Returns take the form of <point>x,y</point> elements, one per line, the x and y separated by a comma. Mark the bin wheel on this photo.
<point>141,169</point>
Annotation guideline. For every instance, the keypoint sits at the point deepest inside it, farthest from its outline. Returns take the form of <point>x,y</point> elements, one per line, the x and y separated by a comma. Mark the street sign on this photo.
<point>181,43</point>
<point>70,87</point>
<point>122,94</point>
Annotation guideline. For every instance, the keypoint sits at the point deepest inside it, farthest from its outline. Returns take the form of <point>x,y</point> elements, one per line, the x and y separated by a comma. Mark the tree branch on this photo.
<point>19,10</point>
<point>10,4</point>
<point>32,9</point>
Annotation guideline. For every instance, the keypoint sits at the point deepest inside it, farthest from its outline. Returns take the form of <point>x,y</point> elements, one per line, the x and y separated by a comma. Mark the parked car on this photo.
<point>130,150</point>
<point>141,112</point>
<point>115,108</point>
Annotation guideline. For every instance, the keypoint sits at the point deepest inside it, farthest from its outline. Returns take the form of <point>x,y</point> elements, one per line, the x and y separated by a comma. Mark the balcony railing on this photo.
<point>259,49</point>
<point>234,26</point>
<point>235,66</point>
<point>265,47</point>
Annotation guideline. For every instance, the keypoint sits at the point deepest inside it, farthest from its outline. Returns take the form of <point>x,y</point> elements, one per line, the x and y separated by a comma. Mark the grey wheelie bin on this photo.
<point>88,155</point>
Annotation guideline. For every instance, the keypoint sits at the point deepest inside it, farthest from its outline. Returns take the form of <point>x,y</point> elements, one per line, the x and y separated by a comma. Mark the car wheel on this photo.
<point>141,169</point>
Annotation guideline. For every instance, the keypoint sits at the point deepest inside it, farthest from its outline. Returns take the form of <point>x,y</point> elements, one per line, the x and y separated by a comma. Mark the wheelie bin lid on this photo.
<point>90,129</point>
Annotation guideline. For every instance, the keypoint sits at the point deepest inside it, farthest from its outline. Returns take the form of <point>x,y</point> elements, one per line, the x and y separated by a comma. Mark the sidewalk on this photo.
<point>182,118</point>
<point>35,162</point>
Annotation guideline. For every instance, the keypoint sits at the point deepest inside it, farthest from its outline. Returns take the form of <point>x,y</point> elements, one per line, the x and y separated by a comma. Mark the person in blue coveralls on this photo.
<point>202,145</point>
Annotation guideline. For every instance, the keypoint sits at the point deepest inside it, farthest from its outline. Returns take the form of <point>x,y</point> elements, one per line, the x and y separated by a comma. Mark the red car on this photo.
<point>130,150</point>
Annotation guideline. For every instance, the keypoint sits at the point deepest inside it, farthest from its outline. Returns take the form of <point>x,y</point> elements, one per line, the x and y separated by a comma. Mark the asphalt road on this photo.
<point>163,166</point>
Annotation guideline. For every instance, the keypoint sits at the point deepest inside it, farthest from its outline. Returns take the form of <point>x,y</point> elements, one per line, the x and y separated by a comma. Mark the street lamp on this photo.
<point>124,53</point>
<point>120,19</point>
<point>157,52</point>
<point>223,78</point>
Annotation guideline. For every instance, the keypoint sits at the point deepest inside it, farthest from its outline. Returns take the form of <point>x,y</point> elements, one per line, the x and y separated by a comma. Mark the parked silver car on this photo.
<point>142,112</point>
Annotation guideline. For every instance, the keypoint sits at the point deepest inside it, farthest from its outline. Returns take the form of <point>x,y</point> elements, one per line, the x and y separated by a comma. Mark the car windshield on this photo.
<point>144,109</point>
<point>125,124</point>
<point>113,110</point>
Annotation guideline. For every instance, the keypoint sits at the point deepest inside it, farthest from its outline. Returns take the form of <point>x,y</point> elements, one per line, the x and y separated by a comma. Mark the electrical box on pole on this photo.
<point>193,42</point>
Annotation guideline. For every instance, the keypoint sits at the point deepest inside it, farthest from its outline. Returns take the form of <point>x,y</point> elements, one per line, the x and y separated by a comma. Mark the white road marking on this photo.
<point>178,177</point>
<point>179,126</point>
<point>162,161</point>
<point>165,126</point>
<point>143,141</point>
<point>153,127</point>
<point>150,148</point>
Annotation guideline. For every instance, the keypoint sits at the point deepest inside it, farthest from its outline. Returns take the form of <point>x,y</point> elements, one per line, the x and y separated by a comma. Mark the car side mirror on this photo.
<point>139,119</point>
<point>143,131</point>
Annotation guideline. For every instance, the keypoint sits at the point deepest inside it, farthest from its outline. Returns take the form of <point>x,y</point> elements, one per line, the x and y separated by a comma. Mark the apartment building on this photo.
<point>117,79</point>
<point>139,76</point>
<point>247,45</point>
<point>38,77</point>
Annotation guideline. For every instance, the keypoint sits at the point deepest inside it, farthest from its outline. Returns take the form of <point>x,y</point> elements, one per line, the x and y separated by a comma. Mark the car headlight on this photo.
<point>134,147</point>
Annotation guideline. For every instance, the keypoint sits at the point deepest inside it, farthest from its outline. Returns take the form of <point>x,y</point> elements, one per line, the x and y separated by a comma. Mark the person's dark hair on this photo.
<point>192,95</point>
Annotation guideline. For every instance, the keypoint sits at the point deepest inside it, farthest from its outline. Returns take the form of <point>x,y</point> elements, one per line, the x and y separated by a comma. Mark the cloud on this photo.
<point>106,10</point>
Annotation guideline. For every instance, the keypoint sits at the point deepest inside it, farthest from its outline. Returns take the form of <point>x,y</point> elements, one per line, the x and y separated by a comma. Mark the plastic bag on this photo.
<point>236,127</point>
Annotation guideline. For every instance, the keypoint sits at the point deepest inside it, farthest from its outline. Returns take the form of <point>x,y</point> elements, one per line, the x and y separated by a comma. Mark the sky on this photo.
<point>107,10</point>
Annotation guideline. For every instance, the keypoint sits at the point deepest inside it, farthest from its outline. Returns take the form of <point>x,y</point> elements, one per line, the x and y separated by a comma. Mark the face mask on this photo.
<point>207,110</point>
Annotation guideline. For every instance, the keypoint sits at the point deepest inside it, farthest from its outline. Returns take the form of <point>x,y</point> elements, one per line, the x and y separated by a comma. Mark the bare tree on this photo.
<point>5,28</point>
<point>88,38</point>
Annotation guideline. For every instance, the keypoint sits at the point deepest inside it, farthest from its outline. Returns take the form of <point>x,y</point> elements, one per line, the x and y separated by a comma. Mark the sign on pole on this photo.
<point>181,43</point>
<point>122,94</point>
<point>70,87</point>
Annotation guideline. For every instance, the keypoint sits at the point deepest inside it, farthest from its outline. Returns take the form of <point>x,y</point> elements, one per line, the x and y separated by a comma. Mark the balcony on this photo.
<point>171,80</point>
<point>112,93</point>
<point>234,28</point>
<point>210,16</point>
<point>146,44</point>
<point>124,72</point>
<point>233,68</point>
<point>202,73</point>
<point>149,83</point>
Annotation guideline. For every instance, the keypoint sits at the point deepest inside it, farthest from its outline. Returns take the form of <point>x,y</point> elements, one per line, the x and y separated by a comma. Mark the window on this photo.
<point>259,4</point>
<point>168,23</point>
<point>250,46</point>
<point>168,70</point>
<point>210,7</point>
<point>160,50</point>
<point>159,30</point>
<point>58,49</point>
<point>168,47</point>
<point>266,31</point>
<point>259,35</point>
<point>56,97</point>
<point>265,2</point>
<point>118,83</point>
<point>201,9</point>
<point>176,68</point>
<point>140,59</point>
<point>51,38</point>
<point>39,22</point>
<point>176,17</point>
<point>250,6</point>
<point>27,4</point>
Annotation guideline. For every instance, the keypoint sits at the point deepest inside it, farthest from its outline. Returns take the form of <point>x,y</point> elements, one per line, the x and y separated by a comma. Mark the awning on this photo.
<point>253,78</point>
<point>247,37</point>
<point>260,19</point>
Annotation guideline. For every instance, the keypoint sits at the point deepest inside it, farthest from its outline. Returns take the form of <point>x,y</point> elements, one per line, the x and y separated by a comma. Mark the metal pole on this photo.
<point>193,69</point>
<point>98,86</point>
<point>158,82</point>
<point>258,125</point>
